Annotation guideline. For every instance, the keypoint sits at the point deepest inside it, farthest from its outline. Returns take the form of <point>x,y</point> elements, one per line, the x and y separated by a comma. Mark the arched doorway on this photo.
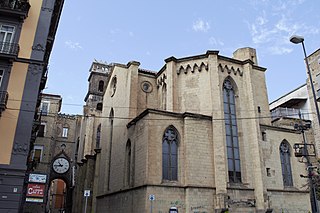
<point>58,197</point>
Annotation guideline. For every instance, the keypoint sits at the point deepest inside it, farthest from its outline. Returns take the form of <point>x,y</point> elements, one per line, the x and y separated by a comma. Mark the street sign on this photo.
<point>37,178</point>
<point>86,193</point>
<point>35,190</point>
<point>34,200</point>
<point>152,197</point>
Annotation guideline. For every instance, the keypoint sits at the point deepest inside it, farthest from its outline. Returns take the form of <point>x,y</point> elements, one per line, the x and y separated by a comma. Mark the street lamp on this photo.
<point>314,203</point>
<point>296,40</point>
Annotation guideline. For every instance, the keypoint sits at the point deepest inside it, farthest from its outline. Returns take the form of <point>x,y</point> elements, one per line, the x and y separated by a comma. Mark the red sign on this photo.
<point>35,190</point>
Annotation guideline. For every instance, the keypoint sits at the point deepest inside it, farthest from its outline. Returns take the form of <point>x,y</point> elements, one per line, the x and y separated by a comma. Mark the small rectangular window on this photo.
<point>6,37</point>
<point>65,132</point>
<point>264,136</point>
<point>37,153</point>
<point>44,108</point>
<point>268,172</point>
<point>41,131</point>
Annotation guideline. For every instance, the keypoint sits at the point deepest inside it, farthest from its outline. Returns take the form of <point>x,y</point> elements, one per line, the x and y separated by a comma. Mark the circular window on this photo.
<point>146,86</point>
<point>113,85</point>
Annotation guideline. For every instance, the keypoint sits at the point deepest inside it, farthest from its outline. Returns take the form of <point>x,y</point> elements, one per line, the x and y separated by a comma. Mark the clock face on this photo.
<point>60,165</point>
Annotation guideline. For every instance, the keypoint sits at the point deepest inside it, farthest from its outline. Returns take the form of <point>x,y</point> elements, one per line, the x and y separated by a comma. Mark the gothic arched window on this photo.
<point>232,142</point>
<point>128,164</point>
<point>285,163</point>
<point>111,117</point>
<point>101,85</point>
<point>164,96</point>
<point>170,143</point>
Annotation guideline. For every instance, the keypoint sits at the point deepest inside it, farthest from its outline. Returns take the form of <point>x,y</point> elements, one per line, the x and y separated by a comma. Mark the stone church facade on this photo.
<point>197,135</point>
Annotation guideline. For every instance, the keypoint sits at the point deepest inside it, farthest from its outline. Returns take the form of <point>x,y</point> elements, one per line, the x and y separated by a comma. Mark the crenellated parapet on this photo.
<point>192,67</point>
<point>230,69</point>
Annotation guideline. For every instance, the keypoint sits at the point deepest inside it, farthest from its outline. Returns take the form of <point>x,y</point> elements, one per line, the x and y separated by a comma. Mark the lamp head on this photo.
<point>296,39</point>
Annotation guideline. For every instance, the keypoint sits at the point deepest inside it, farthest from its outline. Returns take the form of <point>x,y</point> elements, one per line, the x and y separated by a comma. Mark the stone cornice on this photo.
<point>167,113</point>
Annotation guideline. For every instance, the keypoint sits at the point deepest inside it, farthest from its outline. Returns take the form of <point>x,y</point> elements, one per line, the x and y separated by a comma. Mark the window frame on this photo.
<point>44,130</point>
<point>37,147</point>
<point>48,107</point>
<point>12,39</point>
<point>65,132</point>
<point>128,163</point>
<point>101,86</point>
<point>285,160</point>
<point>170,161</point>
<point>231,130</point>
<point>98,137</point>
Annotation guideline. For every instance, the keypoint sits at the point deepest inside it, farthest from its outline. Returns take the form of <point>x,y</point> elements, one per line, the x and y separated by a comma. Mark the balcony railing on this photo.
<point>17,8</point>
<point>3,101</point>
<point>289,113</point>
<point>10,50</point>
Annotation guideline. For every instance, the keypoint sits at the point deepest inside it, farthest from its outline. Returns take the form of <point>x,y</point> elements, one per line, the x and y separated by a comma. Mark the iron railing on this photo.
<point>19,5</point>
<point>281,112</point>
<point>9,48</point>
<point>3,101</point>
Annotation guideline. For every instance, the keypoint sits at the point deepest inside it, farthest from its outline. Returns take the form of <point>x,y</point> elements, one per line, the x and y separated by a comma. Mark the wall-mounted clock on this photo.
<point>60,165</point>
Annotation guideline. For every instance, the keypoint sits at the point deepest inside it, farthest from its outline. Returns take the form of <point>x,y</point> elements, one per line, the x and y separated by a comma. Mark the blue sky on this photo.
<point>151,31</point>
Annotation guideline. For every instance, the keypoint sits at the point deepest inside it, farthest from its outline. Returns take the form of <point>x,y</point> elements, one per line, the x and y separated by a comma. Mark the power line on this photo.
<point>130,118</point>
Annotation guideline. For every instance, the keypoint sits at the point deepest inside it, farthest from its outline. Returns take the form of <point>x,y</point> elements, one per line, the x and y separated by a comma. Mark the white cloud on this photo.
<point>201,26</point>
<point>73,45</point>
<point>279,50</point>
<point>276,22</point>
<point>215,42</point>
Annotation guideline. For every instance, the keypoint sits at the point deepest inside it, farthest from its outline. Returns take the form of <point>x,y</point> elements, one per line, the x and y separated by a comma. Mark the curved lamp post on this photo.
<point>296,40</point>
<point>313,198</point>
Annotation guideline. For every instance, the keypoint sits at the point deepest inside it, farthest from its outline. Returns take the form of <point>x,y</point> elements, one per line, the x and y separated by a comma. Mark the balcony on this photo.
<point>9,50</point>
<point>281,112</point>
<point>3,101</point>
<point>15,8</point>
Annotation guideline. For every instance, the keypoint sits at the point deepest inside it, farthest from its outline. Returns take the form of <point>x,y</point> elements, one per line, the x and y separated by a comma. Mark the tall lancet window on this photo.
<point>170,143</point>
<point>128,164</point>
<point>285,163</point>
<point>233,154</point>
<point>98,137</point>
<point>164,96</point>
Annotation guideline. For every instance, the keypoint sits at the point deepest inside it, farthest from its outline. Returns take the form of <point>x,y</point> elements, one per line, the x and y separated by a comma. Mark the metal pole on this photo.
<point>313,196</point>
<point>151,206</point>
<point>312,189</point>
<point>85,206</point>
<point>311,83</point>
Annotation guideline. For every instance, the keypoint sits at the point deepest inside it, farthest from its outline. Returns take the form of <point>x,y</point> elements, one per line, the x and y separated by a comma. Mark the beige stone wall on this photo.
<point>290,202</point>
<point>271,159</point>
<point>147,99</point>
<point>193,85</point>
<point>314,64</point>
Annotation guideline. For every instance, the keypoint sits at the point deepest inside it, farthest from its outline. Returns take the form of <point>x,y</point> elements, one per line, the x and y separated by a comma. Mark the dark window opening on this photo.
<point>170,143</point>
<point>286,164</point>
<point>101,85</point>
<point>98,137</point>
<point>99,106</point>
<point>264,136</point>
<point>233,153</point>
<point>41,130</point>
<point>128,163</point>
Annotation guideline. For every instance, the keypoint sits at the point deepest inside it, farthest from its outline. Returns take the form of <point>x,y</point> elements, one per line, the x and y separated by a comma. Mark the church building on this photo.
<point>196,136</point>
